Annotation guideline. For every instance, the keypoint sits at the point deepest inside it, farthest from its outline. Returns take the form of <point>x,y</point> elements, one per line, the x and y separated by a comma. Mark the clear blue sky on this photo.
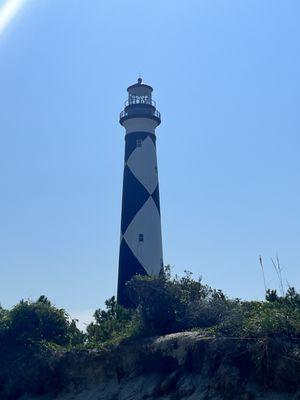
<point>226,77</point>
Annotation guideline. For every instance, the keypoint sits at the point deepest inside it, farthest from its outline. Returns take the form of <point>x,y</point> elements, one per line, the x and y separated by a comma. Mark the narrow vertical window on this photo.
<point>141,237</point>
<point>139,143</point>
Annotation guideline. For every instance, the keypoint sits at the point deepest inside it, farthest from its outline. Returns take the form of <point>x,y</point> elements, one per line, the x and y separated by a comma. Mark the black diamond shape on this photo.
<point>130,141</point>
<point>134,197</point>
<point>129,266</point>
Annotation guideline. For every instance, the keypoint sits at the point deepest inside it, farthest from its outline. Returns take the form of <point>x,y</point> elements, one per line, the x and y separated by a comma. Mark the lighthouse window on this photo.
<point>141,237</point>
<point>139,143</point>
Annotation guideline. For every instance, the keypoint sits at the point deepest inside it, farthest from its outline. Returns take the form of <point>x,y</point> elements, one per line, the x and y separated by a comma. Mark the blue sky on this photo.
<point>226,79</point>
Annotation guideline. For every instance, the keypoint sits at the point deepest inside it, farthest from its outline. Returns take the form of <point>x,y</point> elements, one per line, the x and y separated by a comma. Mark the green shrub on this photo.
<point>28,334</point>
<point>165,304</point>
<point>34,332</point>
<point>111,325</point>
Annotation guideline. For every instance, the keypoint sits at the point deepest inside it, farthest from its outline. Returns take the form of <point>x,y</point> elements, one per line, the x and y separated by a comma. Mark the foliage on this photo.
<point>111,325</point>
<point>28,334</point>
<point>167,304</point>
<point>33,333</point>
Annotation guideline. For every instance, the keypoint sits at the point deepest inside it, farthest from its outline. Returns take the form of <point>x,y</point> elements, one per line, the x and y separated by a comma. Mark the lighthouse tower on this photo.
<point>141,241</point>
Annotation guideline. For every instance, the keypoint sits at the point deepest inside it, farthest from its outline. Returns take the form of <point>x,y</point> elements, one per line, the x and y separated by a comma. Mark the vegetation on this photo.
<point>28,335</point>
<point>164,305</point>
<point>34,333</point>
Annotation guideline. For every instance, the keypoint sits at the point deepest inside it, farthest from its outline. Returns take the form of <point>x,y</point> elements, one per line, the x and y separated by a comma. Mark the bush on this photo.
<point>33,333</point>
<point>167,304</point>
<point>28,334</point>
<point>111,325</point>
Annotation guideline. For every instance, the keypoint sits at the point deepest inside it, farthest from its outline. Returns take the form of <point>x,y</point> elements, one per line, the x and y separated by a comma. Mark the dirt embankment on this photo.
<point>181,366</point>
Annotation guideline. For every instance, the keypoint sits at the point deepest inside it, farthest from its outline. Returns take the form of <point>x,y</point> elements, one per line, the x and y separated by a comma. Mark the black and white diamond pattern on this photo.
<point>143,164</point>
<point>141,241</point>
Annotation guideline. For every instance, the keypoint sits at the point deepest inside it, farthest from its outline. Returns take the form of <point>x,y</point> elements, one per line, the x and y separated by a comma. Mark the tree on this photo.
<point>114,322</point>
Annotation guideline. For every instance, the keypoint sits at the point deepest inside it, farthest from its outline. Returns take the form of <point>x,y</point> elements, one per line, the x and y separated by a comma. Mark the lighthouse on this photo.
<point>141,239</point>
